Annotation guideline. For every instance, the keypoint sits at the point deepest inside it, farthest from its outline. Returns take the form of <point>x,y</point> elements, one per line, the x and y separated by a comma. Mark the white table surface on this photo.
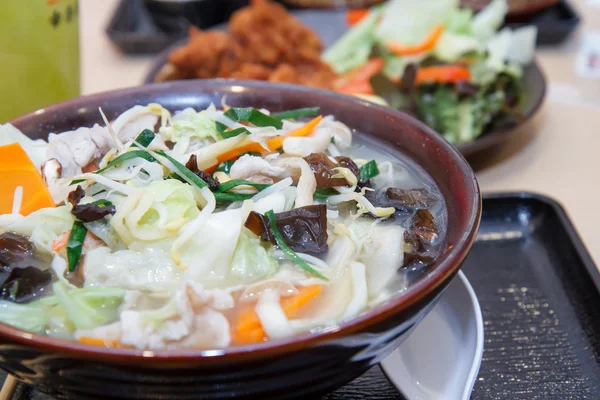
<point>557,154</point>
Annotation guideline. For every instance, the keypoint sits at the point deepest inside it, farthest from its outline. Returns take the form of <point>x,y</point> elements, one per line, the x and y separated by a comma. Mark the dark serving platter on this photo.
<point>331,24</point>
<point>539,291</point>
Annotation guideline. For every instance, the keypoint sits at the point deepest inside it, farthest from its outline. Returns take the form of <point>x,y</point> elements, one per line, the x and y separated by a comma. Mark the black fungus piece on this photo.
<point>15,249</point>
<point>22,284</point>
<point>411,197</point>
<point>304,229</point>
<point>192,165</point>
<point>424,226</point>
<point>417,260</point>
<point>323,168</point>
<point>76,195</point>
<point>92,212</point>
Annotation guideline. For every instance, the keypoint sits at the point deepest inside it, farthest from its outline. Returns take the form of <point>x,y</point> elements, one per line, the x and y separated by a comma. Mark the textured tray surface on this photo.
<point>538,290</point>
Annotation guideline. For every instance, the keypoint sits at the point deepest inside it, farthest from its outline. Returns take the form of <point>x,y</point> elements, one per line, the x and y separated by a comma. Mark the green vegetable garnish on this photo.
<point>183,171</point>
<point>234,132</point>
<point>295,114</point>
<point>144,138</point>
<point>253,116</point>
<point>291,254</point>
<point>369,170</point>
<point>231,197</point>
<point>238,182</point>
<point>222,128</point>
<point>225,166</point>
<point>75,244</point>
<point>103,203</point>
<point>325,193</point>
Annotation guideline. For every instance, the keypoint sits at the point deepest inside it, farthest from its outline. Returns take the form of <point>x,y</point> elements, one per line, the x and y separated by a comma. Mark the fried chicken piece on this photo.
<point>264,42</point>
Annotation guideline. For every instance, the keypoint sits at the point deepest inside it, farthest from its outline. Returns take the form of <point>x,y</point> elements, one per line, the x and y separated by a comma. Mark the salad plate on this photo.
<point>441,358</point>
<point>331,25</point>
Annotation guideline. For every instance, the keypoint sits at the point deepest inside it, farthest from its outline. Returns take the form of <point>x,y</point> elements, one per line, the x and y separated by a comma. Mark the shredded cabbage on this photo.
<point>42,226</point>
<point>156,212</point>
<point>251,262</point>
<point>189,124</point>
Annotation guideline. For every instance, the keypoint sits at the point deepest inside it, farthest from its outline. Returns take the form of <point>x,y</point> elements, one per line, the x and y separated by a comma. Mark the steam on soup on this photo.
<point>208,229</point>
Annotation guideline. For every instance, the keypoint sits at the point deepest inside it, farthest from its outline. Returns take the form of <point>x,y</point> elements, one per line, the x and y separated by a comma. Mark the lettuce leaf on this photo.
<point>487,21</point>
<point>251,262</point>
<point>353,49</point>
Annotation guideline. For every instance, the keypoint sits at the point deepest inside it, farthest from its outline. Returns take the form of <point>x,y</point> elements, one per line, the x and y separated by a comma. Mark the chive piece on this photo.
<point>231,197</point>
<point>325,193</point>
<point>103,203</point>
<point>75,244</point>
<point>295,114</point>
<point>144,138</point>
<point>234,132</point>
<point>225,166</point>
<point>127,156</point>
<point>253,116</point>
<point>225,186</point>
<point>291,254</point>
<point>183,171</point>
<point>221,127</point>
<point>369,170</point>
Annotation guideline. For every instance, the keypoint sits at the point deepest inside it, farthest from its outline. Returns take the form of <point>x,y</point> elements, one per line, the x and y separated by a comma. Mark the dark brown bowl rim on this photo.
<point>446,265</point>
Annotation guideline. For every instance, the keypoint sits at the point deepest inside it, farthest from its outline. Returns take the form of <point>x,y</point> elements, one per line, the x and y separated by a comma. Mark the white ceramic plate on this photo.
<point>441,358</point>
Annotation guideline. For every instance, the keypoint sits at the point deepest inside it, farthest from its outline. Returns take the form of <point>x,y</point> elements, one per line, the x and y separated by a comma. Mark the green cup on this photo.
<point>39,54</point>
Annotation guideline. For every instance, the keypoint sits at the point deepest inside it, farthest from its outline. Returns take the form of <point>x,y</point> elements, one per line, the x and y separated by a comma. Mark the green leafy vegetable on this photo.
<point>354,48</point>
<point>253,116</point>
<point>295,114</point>
<point>75,244</point>
<point>291,254</point>
<point>238,182</point>
<point>369,170</point>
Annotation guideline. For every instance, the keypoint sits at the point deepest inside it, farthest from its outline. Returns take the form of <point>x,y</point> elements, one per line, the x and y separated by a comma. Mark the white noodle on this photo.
<point>17,200</point>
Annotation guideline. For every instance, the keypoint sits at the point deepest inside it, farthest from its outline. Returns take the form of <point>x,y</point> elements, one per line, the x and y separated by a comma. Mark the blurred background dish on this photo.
<point>249,52</point>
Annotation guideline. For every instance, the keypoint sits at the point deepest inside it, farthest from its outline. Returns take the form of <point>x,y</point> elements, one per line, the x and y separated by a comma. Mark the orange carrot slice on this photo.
<point>305,130</point>
<point>248,328</point>
<point>16,169</point>
<point>357,81</point>
<point>273,144</point>
<point>443,74</point>
<point>425,45</point>
<point>354,16</point>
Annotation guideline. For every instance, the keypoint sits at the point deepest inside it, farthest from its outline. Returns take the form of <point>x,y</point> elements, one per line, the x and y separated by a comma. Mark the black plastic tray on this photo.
<point>539,293</point>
